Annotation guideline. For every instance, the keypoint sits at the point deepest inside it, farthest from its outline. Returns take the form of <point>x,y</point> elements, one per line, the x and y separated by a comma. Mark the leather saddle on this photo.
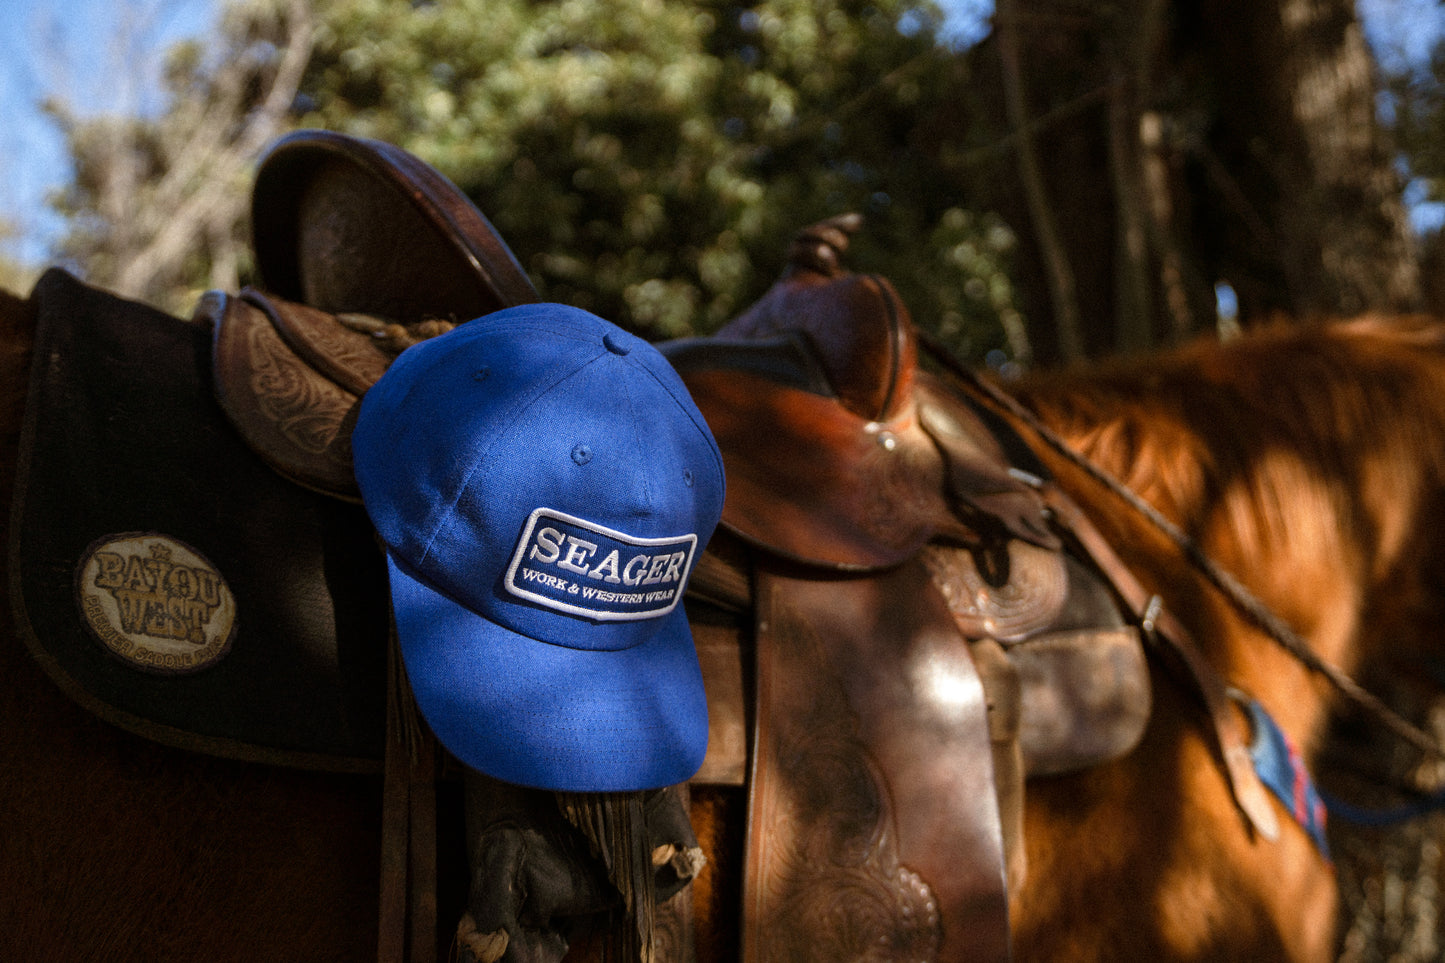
<point>922,594</point>
<point>884,534</point>
<point>844,458</point>
<point>925,639</point>
<point>188,557</point>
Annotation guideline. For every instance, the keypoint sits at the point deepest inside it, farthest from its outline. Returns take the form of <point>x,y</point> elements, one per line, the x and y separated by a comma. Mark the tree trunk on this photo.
<point>1181,145</point>
<point>1296,128</point>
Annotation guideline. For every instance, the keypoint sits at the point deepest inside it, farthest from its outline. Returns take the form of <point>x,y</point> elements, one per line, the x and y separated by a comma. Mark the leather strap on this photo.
<point>407,929</point>
<point>873,818</point>
<point>422,868</point>
<point>1229,726</point>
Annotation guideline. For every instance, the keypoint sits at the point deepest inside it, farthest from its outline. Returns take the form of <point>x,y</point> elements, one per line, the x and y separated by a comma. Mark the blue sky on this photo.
<point>68,47</point>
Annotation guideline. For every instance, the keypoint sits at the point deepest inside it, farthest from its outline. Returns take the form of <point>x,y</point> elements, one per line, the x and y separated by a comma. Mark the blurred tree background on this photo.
<point>1087,180</point>
<point>13,275</point>
<point>645,159</point>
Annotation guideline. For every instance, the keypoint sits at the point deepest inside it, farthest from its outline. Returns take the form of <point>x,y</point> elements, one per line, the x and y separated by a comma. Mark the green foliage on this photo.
<point>1413,96</point>
<point>650,160</point>
<point>1416,95</point>
<point>646,159</point>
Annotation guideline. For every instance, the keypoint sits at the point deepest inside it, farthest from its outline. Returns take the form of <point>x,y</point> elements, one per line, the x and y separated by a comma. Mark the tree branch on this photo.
<point>214,198</point>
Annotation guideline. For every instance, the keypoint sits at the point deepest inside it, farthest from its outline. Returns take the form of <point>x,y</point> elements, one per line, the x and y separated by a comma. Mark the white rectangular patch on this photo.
<point>581,568</point>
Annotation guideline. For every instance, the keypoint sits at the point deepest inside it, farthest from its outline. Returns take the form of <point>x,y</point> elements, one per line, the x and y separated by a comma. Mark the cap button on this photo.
<point>614,344</point>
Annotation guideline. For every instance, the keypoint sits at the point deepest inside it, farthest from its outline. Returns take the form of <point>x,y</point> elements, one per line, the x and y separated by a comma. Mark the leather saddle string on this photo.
<point>1232,589</point>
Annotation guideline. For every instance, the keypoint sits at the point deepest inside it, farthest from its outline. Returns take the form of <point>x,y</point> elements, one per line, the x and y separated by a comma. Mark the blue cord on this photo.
<point>1383,818</point>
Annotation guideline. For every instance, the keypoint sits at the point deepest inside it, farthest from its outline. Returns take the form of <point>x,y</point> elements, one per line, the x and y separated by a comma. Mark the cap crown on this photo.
<point>546,470</point>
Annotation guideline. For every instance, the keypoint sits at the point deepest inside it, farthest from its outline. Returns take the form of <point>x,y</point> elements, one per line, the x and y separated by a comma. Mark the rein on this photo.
<point>1241,597</point>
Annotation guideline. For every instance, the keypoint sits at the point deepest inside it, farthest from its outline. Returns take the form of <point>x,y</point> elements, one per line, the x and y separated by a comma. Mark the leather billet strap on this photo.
<point>873,818</point>
<point>1159,623</point>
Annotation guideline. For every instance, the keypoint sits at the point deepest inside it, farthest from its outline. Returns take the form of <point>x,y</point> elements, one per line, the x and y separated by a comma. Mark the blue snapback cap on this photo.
<point>544,485</point>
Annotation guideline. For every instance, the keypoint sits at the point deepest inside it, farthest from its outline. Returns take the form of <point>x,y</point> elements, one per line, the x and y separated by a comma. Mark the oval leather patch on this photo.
<point>155,602</point>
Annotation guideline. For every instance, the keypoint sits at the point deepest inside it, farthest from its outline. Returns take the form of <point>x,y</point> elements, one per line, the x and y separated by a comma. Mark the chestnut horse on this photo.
<point>1308,460</point>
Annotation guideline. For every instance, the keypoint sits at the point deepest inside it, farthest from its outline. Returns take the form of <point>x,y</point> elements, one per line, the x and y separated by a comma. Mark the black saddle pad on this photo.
<point>163,575</point>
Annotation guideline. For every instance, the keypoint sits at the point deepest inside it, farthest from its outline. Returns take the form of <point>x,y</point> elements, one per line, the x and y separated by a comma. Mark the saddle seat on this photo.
<point>839,451</point>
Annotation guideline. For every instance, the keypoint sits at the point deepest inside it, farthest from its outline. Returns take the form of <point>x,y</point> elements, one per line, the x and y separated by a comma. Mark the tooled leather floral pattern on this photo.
<point>308,412</point>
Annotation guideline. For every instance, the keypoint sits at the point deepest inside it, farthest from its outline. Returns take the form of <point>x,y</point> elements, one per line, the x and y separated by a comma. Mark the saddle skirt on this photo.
<point>163,574</point>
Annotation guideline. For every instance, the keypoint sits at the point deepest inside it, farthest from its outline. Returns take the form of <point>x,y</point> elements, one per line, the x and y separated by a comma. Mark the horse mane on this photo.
<point>1300,453</point>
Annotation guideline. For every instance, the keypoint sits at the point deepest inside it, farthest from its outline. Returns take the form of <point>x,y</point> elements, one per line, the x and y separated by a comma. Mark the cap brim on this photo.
<point>548,716</point>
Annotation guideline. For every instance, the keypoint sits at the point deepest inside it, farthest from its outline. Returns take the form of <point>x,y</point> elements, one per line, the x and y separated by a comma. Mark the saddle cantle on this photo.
<point>346,224</point>
<point>357,243</point>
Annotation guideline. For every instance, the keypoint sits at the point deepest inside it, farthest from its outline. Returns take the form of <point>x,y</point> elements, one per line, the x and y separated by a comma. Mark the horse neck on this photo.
<point>1306,461</point>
